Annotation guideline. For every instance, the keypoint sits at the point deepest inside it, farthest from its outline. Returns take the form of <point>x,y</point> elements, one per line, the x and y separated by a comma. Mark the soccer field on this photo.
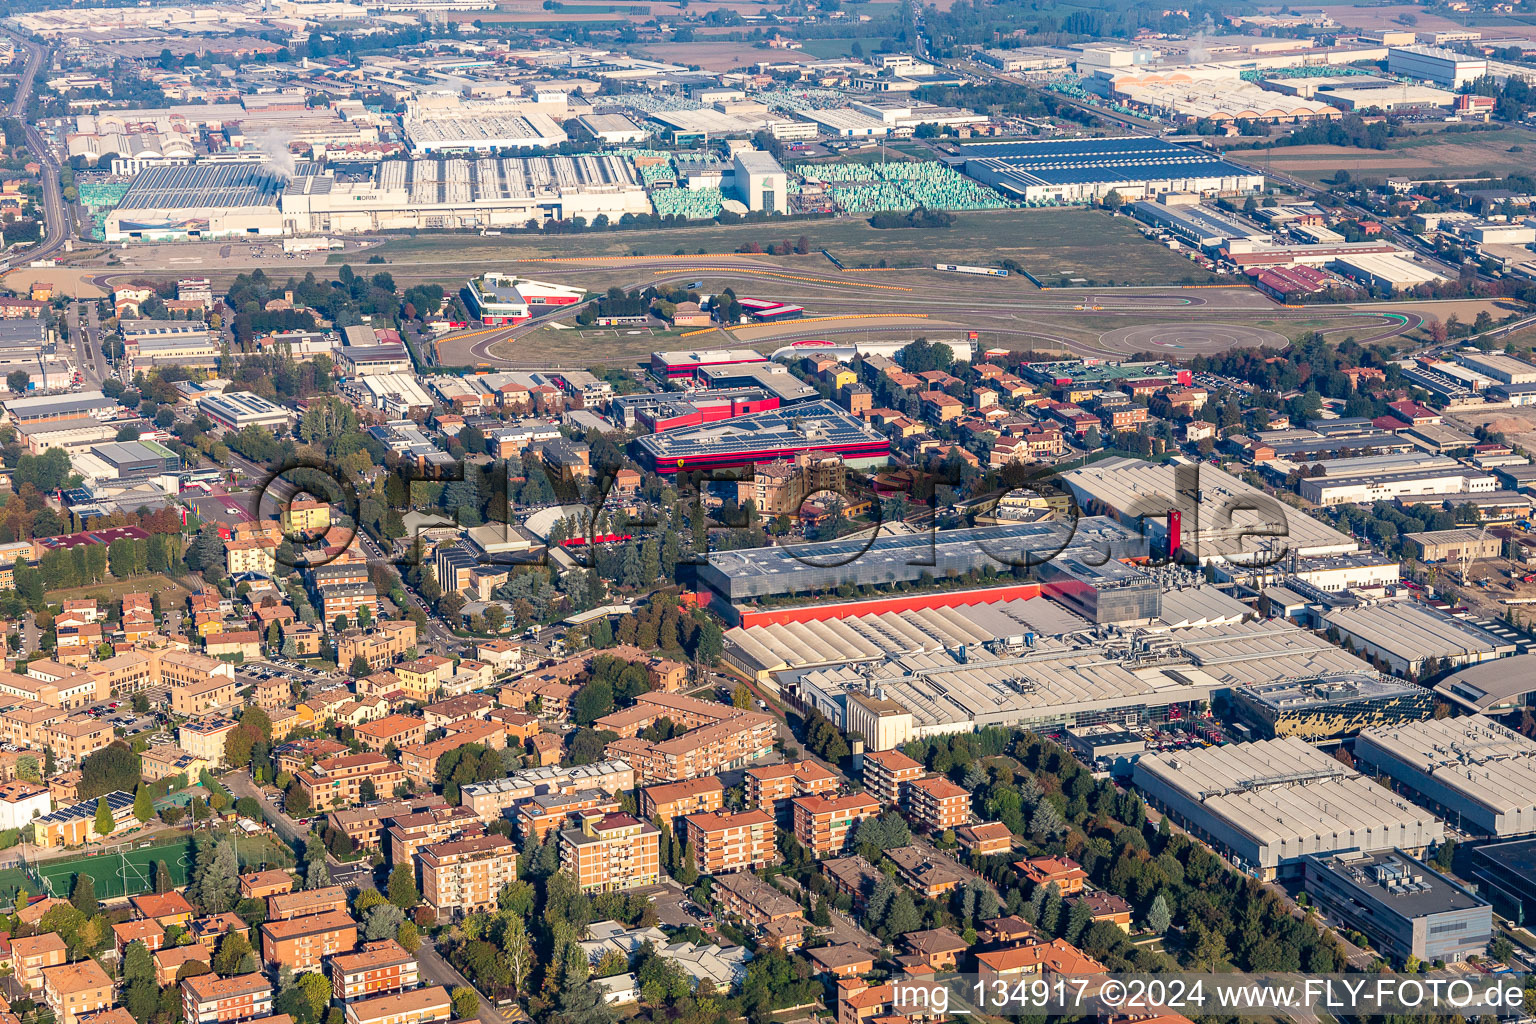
<point>117,871</point>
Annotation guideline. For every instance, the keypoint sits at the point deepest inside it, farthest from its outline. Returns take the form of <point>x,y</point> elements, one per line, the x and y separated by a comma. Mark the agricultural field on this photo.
<point>1431,155</point>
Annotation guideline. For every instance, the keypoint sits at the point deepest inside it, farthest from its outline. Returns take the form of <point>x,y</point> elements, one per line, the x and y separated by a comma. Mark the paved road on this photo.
<point>240,784</point>
<point>57,228</point>
<point>440,972</point>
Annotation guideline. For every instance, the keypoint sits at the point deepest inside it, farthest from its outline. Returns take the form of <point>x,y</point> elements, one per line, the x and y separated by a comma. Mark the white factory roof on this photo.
<point>868,637</point>
<point>1286,793</point>
<point>1051,681</point>
<point>1481,761</point>
<point>1491,684</point>
<point>1413,631</point>
<point>1264,651</point>
<point>400,385</point>
<point>1397,270</point>
<point>1129,486</point>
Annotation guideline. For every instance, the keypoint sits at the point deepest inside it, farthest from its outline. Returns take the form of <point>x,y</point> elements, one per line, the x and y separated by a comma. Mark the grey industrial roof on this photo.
<point>1480,687</point>
<point>1483,762</point>
<point>822,423</point>
<point>1413,631</point>
<point>1337,688</point>
<point>44,405</point>
<point>1018,540</point>
<point>1068,161</point>
<point>202,187</point>
<point>870,637</point>
<point>1282,791</point>
<point>1414,890</point>
<point>1217,519</point>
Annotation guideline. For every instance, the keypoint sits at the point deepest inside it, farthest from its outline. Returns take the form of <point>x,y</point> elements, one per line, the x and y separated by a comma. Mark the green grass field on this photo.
<point>1050,243</point>
<point>122,872</point>
<point>1427,155</point>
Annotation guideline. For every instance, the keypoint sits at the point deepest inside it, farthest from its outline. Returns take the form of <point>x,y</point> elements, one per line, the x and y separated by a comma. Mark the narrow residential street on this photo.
<point>440,972</point>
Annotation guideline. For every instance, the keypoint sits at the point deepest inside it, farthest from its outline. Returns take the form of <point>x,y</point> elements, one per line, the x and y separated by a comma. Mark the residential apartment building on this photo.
<point>672,800</point>
<point>210,999</point>
<point>466,875</point>
<point>338,781</point>
<point>204,738</point>
<point>386,644</point>
<point>401,730</point>
<point>423,677</point>
<point>31,955</point>
<point>611,852</point>
<point>418,1006</point>
<point>734,742</point>
<point>258,885</point>
<point>550,811</point>
<point>74,990</point>
<point>938,804</point>
<point>408,834</point>
<point>305,517</point>
<point>772,787</point>
<point>732,842</point>
<point>203,693</point>
<point>756,902</point>
<point>53,684</point>
<point>287,906</point>
<point>823,824</point>
<point>251,554</point>
<point>887,773</point>
<point>302,942</point>
<point>377,969</point>
<point>76,738</point>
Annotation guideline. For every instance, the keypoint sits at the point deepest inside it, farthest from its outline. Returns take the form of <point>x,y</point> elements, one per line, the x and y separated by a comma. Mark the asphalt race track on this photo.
<point>1184,341</point>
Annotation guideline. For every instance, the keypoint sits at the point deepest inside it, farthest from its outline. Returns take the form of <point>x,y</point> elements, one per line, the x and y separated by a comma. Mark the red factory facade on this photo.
<point>703,409</point>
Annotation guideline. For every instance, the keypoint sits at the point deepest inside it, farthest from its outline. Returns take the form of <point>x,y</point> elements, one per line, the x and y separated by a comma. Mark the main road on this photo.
<point>56,214</point>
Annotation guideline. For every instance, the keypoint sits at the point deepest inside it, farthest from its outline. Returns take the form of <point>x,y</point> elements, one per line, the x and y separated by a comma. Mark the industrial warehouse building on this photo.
<point>1406,908</point>
<point>1451,545</point>
<point>1331,706</point>
<point>198,201</point>
<point>1478,774</point>
<point>1494,687</point>
<point>904,558</point>
<point>765,437</point>
<point>1507,873</point>
<point>239,409</point>
<point>1084,170</point>
<point>1269,804</point>
<point>483,192</point>
<point>1223,519</point>
<point>507,299</point>
<point>481,127</point>
<point>1406,636</point>
<point>1433,64</point>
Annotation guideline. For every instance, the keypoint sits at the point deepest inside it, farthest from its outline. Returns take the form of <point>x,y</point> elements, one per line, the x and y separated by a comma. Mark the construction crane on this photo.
<point>1468,556</point>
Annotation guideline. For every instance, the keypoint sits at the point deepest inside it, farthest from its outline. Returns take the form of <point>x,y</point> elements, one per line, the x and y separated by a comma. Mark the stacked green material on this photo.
<point>693,203</point>
<point>902,185</point>
<point>102,196</point>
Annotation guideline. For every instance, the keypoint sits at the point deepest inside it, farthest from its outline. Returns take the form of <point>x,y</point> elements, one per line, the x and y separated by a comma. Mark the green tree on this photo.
<point>1158,917</point>
<point>233,948</point>
<point>143,805</point>
<point>104,822</point>
<point>83,895</point>
<point>466,1003</point>
<point>402,887</point>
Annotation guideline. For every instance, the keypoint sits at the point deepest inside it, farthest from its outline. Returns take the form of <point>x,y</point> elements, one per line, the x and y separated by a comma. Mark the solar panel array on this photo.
<point>1079,161</point>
